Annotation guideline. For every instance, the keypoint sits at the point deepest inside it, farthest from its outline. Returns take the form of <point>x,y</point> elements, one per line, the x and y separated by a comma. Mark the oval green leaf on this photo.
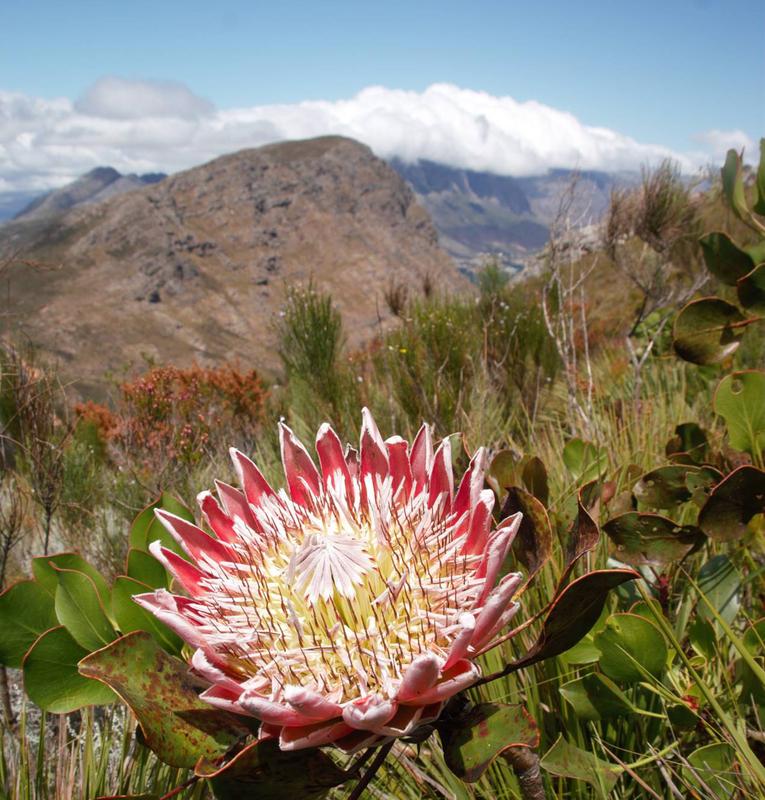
<point>651,539</point>
<point>131,617</point>
<point>79,610</point>
<point>594,697</point>
<point>26,612</point>
<point>708,330</point>
<point>733,184</point>
<point>629,640</point>
<point>724,259</point>
<point>143,567</point>
<point>534,477</point>
<point>45,569</point>
<point>664,487</point>
<point>146,528</point>
<point>583,460</point>
<point>711,769</point>
<point>51,678</point>
<point>568,761</point>
<point>740,401</point>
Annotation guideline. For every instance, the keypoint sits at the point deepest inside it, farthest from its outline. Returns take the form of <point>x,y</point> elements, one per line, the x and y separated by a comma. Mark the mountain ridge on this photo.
<point>196,267</point>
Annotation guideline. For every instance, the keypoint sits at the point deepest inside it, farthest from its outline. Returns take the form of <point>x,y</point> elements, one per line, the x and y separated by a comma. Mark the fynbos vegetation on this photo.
<point>576,614</point>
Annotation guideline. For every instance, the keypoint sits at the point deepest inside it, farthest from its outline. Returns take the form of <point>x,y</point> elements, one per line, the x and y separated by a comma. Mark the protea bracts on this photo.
<point>349,607</point>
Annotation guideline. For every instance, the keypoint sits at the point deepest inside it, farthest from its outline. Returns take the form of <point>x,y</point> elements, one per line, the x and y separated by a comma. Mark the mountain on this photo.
<point>479,213</point>
<point>99,184</point>
<point>196,266</point>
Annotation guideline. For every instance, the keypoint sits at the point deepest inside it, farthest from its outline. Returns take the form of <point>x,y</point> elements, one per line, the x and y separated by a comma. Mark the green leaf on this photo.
<point>708,330</point>
<point>533,543</point>
<point>26,611</point>
<point>711,769</point>
<point>178,726</point>
<point>732,504</point>
<point>740,400</point>
<point>720,581</point>
<point>759,203</point>
<point>51,678</point>
<point>146,528</point>
<point>752,687</point>
<point>45,569</point>
<point>700,483</point>
<point>503,472</point>
<point>583,460</point>
<point>567,761</point>
<point>664,487</point>
<point>627,641</point>
<point>573,612</point>
<point>131,617</point>
<point>261,771</point>
<point>143,567</point>
<point>594,697</point>
<point>534,477</point>
<point>474,739</point>
<point>651,539</point>
<point>79,609</point>
<point>751,290</point>
<point>724,259</point>
<point>733,185</point>
<point>703,639</point>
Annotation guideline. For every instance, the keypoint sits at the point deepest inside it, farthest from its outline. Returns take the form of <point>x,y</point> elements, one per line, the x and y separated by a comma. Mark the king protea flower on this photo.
<point>351,606</point>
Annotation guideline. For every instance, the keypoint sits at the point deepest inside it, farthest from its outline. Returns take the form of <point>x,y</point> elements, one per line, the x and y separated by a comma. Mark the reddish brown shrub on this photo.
<point>170,418</point>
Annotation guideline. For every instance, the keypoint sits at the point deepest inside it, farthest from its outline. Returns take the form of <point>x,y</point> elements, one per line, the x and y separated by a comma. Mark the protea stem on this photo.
<point>525,764</point>
<point>366,778</point>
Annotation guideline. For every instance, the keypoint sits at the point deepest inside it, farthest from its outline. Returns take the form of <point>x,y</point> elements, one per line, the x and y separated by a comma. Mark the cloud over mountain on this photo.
<point>143,126</point>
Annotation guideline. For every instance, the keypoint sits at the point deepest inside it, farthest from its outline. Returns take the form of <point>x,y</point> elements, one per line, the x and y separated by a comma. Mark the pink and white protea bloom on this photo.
<point>349,607</point>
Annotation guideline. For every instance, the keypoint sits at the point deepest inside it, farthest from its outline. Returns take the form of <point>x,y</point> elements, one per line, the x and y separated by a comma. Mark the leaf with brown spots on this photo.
<point>475,738</point>
<point>176,724</point>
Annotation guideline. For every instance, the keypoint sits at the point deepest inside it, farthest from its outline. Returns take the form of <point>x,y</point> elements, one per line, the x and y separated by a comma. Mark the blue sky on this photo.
<point>659,72</point>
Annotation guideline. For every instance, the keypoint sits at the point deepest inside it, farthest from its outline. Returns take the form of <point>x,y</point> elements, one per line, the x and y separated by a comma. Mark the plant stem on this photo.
<point>370,773</point>
<point>525,764</point>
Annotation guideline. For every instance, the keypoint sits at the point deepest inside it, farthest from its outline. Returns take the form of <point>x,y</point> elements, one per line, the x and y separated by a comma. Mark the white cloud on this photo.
<point>141,126</point>
<point>118,98</point>
<point>716,143</point>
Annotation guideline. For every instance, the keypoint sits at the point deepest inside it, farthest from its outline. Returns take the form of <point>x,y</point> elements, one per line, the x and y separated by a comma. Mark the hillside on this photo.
<point>196,267</point>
